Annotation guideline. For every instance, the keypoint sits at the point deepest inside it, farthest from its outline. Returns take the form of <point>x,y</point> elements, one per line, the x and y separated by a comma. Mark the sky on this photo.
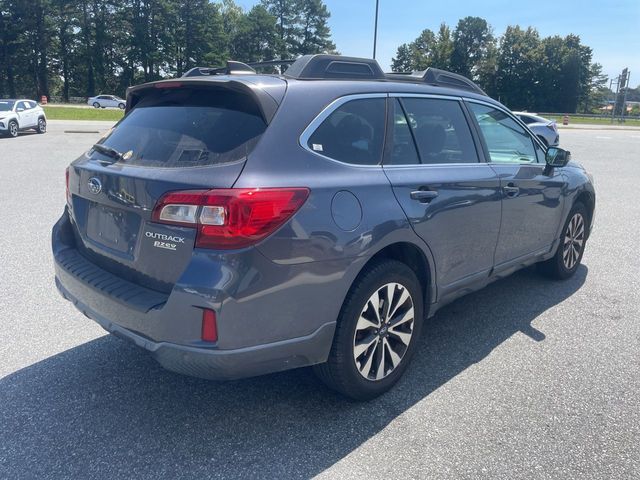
<point>610,27</point>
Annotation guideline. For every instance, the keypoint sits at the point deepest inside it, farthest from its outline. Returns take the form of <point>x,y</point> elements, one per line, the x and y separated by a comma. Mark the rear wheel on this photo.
<point>13,128</point>
<point>96,105</point>
<point>121,106</point>
<point>376,333</point>
<point>42,126</point>
<point>572,242</point>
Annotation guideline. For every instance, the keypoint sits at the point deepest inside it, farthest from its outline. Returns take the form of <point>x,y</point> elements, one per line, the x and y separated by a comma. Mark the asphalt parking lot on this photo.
<point>528,378</point>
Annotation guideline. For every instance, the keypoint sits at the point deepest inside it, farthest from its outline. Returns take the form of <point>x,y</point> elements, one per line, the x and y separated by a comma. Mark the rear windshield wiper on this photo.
<point>108,151</point>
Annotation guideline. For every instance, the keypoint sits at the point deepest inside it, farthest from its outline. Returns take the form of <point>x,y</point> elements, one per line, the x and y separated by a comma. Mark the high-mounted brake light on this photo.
<point>232,217</point>
<point>168,85</point>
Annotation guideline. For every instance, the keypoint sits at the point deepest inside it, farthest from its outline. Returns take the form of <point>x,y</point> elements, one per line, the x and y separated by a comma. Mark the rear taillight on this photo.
<point>66,175</point>
<point>230,218</point>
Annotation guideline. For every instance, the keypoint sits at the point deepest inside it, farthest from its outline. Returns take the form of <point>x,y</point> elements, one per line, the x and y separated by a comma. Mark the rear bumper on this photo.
<point>267,320</point>
<point>217,364</point>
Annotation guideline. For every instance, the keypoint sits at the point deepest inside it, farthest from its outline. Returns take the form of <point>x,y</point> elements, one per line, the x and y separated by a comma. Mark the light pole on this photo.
<point>375,32</point>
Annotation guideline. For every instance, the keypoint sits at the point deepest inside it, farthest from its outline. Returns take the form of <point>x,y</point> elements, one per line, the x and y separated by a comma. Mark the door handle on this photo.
<point>424,196</point>
<point>511,190</point>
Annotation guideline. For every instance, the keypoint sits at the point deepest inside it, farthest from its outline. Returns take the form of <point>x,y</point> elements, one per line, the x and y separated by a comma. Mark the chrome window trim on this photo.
<point>322,116</point>
<point>424,95</point>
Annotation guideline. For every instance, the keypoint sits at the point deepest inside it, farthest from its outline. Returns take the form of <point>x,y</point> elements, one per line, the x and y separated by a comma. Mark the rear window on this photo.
<point>187,128</point>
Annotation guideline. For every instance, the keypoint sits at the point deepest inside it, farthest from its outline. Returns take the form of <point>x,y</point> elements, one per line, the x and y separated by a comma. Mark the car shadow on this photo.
<point>25,133</point>
<point>106,409</point>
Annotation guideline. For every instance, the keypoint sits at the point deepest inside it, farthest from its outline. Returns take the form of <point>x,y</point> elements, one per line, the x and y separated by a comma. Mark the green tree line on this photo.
<point>521,69</point>
<point>78,48</point>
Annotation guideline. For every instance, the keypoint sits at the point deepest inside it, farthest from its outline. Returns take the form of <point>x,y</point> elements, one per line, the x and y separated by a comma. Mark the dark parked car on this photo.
<point>235,224</point>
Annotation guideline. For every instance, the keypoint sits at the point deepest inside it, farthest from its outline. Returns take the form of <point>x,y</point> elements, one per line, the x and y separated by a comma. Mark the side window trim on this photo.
<point>310,129</point>
<point>389,143</point>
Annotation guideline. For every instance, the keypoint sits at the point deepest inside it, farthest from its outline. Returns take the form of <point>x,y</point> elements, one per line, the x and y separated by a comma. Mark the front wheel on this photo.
<point>42,126</point>
<point>572,242</point>
<point>121,106</point>
<point>13,129</point>
<point>376,333</point>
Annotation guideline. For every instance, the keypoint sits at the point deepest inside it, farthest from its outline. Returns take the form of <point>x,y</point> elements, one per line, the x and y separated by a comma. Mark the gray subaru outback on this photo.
<point>236,224</point>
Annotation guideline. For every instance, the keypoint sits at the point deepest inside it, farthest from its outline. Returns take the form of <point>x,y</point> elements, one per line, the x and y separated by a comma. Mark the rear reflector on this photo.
<point>230,218</point>
<point>66,174</point>
<point>209,326</point>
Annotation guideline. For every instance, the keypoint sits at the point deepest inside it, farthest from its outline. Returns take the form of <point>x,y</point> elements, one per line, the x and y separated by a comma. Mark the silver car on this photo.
<point>546,130</point>
<point>106,101</point>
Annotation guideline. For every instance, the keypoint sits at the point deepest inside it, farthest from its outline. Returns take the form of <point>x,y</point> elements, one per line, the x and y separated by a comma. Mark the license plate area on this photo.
<point>113,228</point>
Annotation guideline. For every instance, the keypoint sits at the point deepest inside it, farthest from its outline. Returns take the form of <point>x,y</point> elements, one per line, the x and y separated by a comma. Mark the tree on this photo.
<point>443,48</point>
<point>288,25</point>
<point>597,92</point>
<point>472,42</point>
<point>417,55</point>
<point>315,35</point>
<point>256,37</point>
<point>517,67</point>
<point>402,62</point>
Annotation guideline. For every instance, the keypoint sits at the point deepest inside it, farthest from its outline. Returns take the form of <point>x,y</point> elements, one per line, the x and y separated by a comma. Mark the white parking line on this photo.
<point>603,138</point>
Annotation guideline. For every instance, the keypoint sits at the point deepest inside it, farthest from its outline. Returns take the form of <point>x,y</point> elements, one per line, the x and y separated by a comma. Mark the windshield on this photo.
<point>187,128</point>
<point>6,105</point>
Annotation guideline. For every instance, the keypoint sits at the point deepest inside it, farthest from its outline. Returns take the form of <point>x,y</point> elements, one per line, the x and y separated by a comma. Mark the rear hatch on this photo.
<point>177,135</point>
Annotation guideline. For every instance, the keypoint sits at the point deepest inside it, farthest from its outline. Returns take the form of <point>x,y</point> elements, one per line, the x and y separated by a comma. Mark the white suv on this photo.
<point>104,101</point>
<point>21,114</point>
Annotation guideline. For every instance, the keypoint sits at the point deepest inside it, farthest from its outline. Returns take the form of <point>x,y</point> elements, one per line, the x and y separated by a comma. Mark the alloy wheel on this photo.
<point>383,331</point>
<point>13,129</point>
<point>42,126</point>
<point>573,241</point>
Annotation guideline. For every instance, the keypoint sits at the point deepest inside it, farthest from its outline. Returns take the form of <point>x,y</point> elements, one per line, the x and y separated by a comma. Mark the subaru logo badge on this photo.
<point>95,185</point>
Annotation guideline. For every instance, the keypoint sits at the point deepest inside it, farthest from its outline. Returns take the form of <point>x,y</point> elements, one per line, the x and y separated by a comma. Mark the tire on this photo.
<point>42,125</point>
<point>12,129</point>
<point>573,239</point>
<point>96,105</point>
<point>121,106</point>
<point>383,351</point>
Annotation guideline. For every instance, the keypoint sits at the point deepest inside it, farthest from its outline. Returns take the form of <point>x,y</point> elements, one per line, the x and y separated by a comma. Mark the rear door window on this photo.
<point>352,133</point>
<point>187,128</point>
<point>441,130</point>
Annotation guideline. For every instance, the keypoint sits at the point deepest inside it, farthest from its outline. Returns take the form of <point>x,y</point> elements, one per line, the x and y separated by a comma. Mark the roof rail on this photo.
<point>440,78</point>
<point>321,66</point>
<point>325,67</point>
<point>232,67</point>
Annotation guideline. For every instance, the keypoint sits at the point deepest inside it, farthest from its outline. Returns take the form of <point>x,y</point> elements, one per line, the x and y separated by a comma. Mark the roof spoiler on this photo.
<point>265,101</point>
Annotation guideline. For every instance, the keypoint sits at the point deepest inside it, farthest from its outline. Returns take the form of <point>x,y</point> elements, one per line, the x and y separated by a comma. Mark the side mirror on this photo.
<point>557,157</point>
<point>19,109</point>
